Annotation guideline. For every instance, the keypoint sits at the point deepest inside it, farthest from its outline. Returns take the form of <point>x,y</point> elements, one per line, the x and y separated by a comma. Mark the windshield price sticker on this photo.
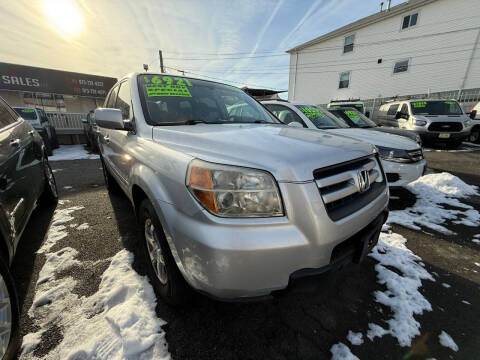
<point>28,110</point>
<point>312,113</point>
<point>419,104</point>
<point>352,115</point>
<point>167,86</point>
<point>358,105</point>
<point>449,102</point>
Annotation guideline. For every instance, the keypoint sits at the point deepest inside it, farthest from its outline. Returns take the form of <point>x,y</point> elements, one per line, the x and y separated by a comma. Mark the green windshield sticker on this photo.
<point>352,115</point>
<point>419,104</point>
<point>167,86</point>
<point>335,107</point>
<point>27,110</point>
<point>450,102</point>
<point>312,113</point>
<point>359,105</point>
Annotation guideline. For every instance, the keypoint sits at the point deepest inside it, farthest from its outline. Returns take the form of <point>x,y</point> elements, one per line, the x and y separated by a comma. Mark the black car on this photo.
<point>354,118</point>
<point>26,180</point>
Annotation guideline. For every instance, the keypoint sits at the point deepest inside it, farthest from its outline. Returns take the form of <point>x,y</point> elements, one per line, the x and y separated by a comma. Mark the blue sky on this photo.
<point>240,41</point>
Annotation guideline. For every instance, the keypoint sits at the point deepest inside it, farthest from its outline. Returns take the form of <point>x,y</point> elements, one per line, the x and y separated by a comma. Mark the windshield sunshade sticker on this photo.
<point>312,113</point>
<point>419,104</point>
<point>167,86</point>
<point>352,115</point>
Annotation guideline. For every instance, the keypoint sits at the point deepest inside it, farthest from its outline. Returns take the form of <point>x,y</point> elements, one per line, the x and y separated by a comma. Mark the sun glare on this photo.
<point>63,16</point>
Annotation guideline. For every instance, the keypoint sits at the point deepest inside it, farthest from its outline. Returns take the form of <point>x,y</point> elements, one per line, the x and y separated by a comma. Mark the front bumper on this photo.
<point>401,174</point>
<point>434,136</point>
<point>245,258</point>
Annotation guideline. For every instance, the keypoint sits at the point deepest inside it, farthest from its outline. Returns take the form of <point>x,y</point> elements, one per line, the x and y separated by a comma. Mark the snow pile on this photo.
<point>83,226</point>
<point>355,338</point>
<point>447,341</point>
<point>433,192</point>
<point>341,351</point>
<point>71,152</point>
<point>402,293</point>
<point>117,322</point>
<point>58,229</point>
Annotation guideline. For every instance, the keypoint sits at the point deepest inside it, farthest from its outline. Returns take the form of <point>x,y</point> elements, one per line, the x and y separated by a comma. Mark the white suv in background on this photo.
<point>475,118</point>
<point>402,158</point>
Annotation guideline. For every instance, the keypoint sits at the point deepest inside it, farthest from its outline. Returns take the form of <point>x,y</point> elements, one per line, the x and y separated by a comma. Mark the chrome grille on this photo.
<point>346,188</point>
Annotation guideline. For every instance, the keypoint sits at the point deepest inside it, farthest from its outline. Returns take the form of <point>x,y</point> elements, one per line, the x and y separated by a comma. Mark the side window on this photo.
<point>112,97</point>
<point>400,66</point>
<point>123,100</point>
<point>392,110</point>
<point>344,80</point>
<point>285,114</point>
<point>6,117</point>
<point>348,43</point>
<point>409,20</point>
<point>404,109</point>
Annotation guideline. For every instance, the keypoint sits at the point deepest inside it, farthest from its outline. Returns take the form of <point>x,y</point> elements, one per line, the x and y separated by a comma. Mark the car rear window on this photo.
<point>26,113</point>
<point>171,100</point>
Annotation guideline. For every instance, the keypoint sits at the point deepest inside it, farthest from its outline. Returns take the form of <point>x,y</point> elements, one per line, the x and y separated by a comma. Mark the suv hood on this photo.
<point>378,138</point>
<point>290,154</point>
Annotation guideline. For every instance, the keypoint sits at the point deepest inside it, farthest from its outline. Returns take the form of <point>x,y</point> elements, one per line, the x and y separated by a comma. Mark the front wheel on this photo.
<point>474,135</point>
<point>9,314</point>
<point>50,193</point>
<point>162,269</point>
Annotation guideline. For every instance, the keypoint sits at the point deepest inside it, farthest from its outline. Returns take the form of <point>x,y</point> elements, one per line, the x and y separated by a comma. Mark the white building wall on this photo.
<point>439,49</point>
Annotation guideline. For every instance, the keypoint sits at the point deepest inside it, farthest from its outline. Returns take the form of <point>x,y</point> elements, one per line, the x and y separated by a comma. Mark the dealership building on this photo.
<point>65,96</point>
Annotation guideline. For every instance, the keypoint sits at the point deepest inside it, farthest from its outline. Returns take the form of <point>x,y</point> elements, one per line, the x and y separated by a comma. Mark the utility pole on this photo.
<point>162,70</point>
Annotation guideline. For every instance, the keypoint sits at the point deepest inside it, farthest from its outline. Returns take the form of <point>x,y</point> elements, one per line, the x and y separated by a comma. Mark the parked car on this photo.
<point>353,103</point>
<point>91,130</point>
<point>235,206</point>
<point>26,180</point>
<point>356,119</point>
<point>39,120</point>
<point>475,131</point>
<point>402,158</point>
<point>434,120</point>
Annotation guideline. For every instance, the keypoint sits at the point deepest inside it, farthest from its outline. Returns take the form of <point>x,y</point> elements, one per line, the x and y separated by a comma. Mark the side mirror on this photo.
<point>295,124</point>
<point>109,118</point>
<point>473,114</point>
<point>398,115</point>
<point>367,114</point>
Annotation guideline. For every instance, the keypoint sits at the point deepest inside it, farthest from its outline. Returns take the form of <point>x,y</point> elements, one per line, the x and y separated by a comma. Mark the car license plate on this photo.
<point>444,135</point>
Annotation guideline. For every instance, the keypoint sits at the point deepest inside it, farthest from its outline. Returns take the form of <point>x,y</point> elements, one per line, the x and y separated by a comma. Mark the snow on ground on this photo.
<point>445,285</point>
<point>433,191</point>
<point>466,302</point>
<point>402,293</point>
<point>447,341</point>
<point>71,152</point>
<point>117,322</point>
<point>355,338</point>
<point>341,351</point>
<point>83,226</point>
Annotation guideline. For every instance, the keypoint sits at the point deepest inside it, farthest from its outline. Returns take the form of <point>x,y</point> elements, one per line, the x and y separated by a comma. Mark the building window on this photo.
<point>348,45</point>
<point>400,66</point>
<point>409,20</point>
<point>344,80</point>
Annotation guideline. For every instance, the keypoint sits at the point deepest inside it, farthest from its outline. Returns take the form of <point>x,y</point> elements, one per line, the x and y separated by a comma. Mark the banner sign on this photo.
<point>34,79</point>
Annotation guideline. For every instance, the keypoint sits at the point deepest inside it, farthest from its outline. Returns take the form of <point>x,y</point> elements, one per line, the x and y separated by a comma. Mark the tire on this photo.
<point>48,148</point>
<point>54,140</point>
<point>9,313</point>
<point>474,136</point>
<point>110,182</point>
<point>165,278</point>
<point>49,195</point>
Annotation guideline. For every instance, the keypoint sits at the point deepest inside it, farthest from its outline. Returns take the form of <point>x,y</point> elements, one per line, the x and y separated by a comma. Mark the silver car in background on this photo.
<point>235,205</point>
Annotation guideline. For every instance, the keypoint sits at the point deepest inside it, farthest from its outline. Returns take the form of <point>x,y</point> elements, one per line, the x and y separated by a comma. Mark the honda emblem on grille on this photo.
<point>363,180</point>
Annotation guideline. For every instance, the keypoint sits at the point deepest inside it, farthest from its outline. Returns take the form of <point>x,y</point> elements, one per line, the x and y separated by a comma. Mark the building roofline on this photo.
<point>366,21</point>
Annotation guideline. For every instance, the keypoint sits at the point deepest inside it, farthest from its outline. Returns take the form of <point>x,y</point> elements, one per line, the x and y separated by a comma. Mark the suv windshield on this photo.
<point>449,107</point>
<point>359,107</point>
<point>26,113</point>
<point>353,118</point>
<point>321,118</point>
<point>171,100</point>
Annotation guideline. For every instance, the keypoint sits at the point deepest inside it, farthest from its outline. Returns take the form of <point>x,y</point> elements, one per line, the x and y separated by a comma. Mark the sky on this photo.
<point>242,42</point>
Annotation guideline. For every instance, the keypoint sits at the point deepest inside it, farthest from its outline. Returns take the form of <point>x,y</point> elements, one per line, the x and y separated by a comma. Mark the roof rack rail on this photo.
<point>345,100</point>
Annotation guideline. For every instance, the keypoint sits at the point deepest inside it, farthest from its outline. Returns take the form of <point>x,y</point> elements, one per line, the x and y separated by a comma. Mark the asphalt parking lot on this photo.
<point>300,325</point>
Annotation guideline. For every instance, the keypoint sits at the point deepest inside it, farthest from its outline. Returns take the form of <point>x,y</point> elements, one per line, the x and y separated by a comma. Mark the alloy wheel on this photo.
<point>155,252</point>
<point>5,317</point>
<point>474,136</point>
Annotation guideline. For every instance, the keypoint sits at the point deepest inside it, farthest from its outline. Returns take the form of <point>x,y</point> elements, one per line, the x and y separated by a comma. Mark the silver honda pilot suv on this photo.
<point>231,202</point>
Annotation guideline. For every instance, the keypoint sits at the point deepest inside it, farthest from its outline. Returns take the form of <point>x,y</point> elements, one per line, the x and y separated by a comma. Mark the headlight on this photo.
<point>467,123</point>
<point>418,139</point>
<point>420,122</point>
<point>390,154</point>
<point>231,191</point>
